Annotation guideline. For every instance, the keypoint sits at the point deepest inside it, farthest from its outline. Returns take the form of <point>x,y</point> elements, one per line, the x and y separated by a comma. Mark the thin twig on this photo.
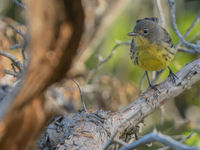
<point>160,12</point>
<point>11,73</point>
<point>110,141</point>
<point>94,70</point>
<point>164,139</point>
<point>19,4</point>
<point>16,46</point>
<point>25,42</point>
<point>182,140</point>
<point>173,19</point>
<point>81,95</point>
<point>189,29</point>
<point>190,51</point>
<point>15,61</point>
<point>13,68</point>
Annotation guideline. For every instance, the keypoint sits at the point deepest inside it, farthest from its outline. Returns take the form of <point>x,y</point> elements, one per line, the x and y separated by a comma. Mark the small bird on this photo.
<point>151,47</point>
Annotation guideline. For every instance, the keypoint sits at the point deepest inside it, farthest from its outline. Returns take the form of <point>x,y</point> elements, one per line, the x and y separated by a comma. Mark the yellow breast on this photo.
<point>151,56</point>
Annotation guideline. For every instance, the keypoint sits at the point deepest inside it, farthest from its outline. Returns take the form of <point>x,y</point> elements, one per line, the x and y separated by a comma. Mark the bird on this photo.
<point>151,47</point>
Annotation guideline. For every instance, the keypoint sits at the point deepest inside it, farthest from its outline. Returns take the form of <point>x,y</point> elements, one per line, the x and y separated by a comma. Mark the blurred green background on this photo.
<point>179,117</point>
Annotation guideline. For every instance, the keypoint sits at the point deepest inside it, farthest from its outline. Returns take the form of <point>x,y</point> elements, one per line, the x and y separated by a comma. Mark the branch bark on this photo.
<point>84,131</point>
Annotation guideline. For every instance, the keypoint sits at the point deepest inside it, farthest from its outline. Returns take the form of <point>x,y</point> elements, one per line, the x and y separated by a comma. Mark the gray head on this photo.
<point>148,28</point>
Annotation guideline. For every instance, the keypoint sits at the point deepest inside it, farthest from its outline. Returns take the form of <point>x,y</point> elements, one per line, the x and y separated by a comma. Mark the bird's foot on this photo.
<point>172,76</point>
<point>154,87</point>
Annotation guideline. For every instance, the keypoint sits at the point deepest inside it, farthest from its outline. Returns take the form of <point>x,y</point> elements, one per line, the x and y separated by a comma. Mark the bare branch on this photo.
<point>11,73</point>
<point>164,139</point>
<point>173,19</point>
<point>190,51</point>
<point>16,46</point>
<point>182,140</point>
<point>94,71</point>
<point>15,61</point>
<point>81,96</point>
<point>189,29</point>
<point>104,133</point>
<point>110,141</point>
<point>25,41</point>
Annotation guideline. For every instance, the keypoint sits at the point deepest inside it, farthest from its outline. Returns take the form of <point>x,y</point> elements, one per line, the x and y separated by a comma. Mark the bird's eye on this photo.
<point>146,31</point>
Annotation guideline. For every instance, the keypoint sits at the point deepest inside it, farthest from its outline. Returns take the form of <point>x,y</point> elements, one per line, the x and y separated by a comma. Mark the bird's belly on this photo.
<point>153,60</point>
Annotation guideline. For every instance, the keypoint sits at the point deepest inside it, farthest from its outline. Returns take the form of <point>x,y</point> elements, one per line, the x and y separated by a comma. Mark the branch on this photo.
<point>117,131</point>
<point>101,62</point>
<point>15,61</point>
<point>190,51</point>
<point>23,47</point>
<point>99,132</point>
<point>189,29</point>
<point>182,140</point>
<point>173,19</point>
<point>152,99</point>
<point>81,96</point>
<point>164,139</point>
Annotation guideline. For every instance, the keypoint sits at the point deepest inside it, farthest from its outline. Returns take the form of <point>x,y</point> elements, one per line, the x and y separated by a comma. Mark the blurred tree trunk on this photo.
<point>55,29</point>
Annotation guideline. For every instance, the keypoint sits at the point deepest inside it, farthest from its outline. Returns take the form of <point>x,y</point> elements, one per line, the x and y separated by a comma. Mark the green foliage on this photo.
<point>194,140</point>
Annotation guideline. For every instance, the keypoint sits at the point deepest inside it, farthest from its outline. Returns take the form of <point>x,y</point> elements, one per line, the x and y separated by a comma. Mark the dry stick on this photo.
<point>182,140</point>
<point>189,51</point>
<point>110,141</point>
<point>173,19</point>
<point>94,70</point>
<point>15,61</point>
<point>81,95</point>
<point>164,139</point>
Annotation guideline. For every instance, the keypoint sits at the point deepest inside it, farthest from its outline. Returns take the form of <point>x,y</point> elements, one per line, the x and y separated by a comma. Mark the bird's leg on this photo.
<point>150,85</point>
<point>172,76</point>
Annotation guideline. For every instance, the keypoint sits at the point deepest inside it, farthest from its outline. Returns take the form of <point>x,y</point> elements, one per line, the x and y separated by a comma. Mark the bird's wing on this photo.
<point>167,42</point>
<point>132,51</point>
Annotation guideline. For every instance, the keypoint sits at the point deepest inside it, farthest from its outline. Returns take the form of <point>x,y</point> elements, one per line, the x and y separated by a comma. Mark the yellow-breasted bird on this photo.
<point>151,47</point>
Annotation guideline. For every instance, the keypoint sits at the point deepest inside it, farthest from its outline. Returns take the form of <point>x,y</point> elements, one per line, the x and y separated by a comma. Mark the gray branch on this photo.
<point>164,139</point>
<point>101,62</point>
<point>97,130</point>
<point>15,61</point>
<point>173,19</point>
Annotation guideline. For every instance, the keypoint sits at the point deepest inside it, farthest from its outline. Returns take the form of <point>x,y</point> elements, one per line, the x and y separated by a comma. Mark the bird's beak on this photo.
<point>132,34</point>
